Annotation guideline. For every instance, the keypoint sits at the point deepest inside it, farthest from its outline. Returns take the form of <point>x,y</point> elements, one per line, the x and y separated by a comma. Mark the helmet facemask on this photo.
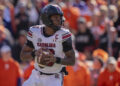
<point>53,21</point>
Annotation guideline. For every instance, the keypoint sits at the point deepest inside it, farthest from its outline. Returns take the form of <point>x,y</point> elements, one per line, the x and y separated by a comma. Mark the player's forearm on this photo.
<point>26,56</point>
<point>26,53</point>
<point>69,59</point>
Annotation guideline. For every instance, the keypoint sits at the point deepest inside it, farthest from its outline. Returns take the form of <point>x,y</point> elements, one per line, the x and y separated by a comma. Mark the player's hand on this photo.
<point>45,57</point>
<point>38,52</point>
<point>50,59</point>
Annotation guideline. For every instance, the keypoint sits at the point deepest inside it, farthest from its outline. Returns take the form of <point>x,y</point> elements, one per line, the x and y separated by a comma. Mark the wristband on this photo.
<point>33,54</point>
<point>58,60</point>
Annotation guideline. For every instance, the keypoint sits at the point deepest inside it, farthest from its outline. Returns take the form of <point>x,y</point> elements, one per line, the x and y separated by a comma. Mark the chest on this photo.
<point>112,77</point>
<point>53,43</point>
<point>7,70</point>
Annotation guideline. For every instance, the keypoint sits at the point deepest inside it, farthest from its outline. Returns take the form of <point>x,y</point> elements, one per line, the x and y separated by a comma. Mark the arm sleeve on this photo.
<point>67,41</point>
<point>67,45</point>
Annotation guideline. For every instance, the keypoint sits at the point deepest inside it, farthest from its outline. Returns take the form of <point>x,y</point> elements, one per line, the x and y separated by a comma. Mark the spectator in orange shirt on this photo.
<point>10,73</point>
<point>110,76</point>
<point>71,14</point>
<point>79,75</point>
<point>101,53</point>
<point>95,70</point>
<point>28,70</point>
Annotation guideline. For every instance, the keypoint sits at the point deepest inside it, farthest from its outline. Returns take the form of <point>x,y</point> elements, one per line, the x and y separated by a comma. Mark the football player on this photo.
<point>51,47</point>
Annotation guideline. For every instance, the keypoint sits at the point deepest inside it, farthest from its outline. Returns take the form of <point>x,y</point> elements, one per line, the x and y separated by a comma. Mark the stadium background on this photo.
<point>95,26</point>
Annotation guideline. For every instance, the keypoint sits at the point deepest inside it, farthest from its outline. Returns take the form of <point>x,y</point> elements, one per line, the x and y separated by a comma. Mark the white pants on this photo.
<point>44,80</point>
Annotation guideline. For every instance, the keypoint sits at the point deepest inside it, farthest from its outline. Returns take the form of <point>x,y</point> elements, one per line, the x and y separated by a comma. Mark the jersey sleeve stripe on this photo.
<point>29,34</point>
<point>66,36</point>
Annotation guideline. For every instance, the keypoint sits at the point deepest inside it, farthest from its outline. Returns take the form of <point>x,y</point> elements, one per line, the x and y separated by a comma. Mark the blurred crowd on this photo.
<point>95,26</point>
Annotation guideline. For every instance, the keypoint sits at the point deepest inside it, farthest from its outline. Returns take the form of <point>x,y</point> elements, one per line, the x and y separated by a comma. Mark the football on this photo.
<point>45,53</point>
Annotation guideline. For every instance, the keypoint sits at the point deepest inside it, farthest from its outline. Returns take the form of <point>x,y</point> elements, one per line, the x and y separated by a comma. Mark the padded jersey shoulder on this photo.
<point>65,33</point>
<point>64,30</point>
<point>36,28</point>
<point>33,30</point>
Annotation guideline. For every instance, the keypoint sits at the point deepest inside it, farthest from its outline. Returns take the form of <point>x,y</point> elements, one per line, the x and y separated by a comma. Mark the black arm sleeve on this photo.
<point>67,45</point>
<point>30,44</point>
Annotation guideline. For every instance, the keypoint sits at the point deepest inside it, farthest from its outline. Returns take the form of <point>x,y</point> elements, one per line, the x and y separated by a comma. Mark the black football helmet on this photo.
<point>49,11</point>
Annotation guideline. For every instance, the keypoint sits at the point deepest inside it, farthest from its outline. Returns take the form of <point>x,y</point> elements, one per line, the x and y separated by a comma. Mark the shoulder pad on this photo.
<point>35,28</point>
<point>65,30</point>
<point>65,33</point>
